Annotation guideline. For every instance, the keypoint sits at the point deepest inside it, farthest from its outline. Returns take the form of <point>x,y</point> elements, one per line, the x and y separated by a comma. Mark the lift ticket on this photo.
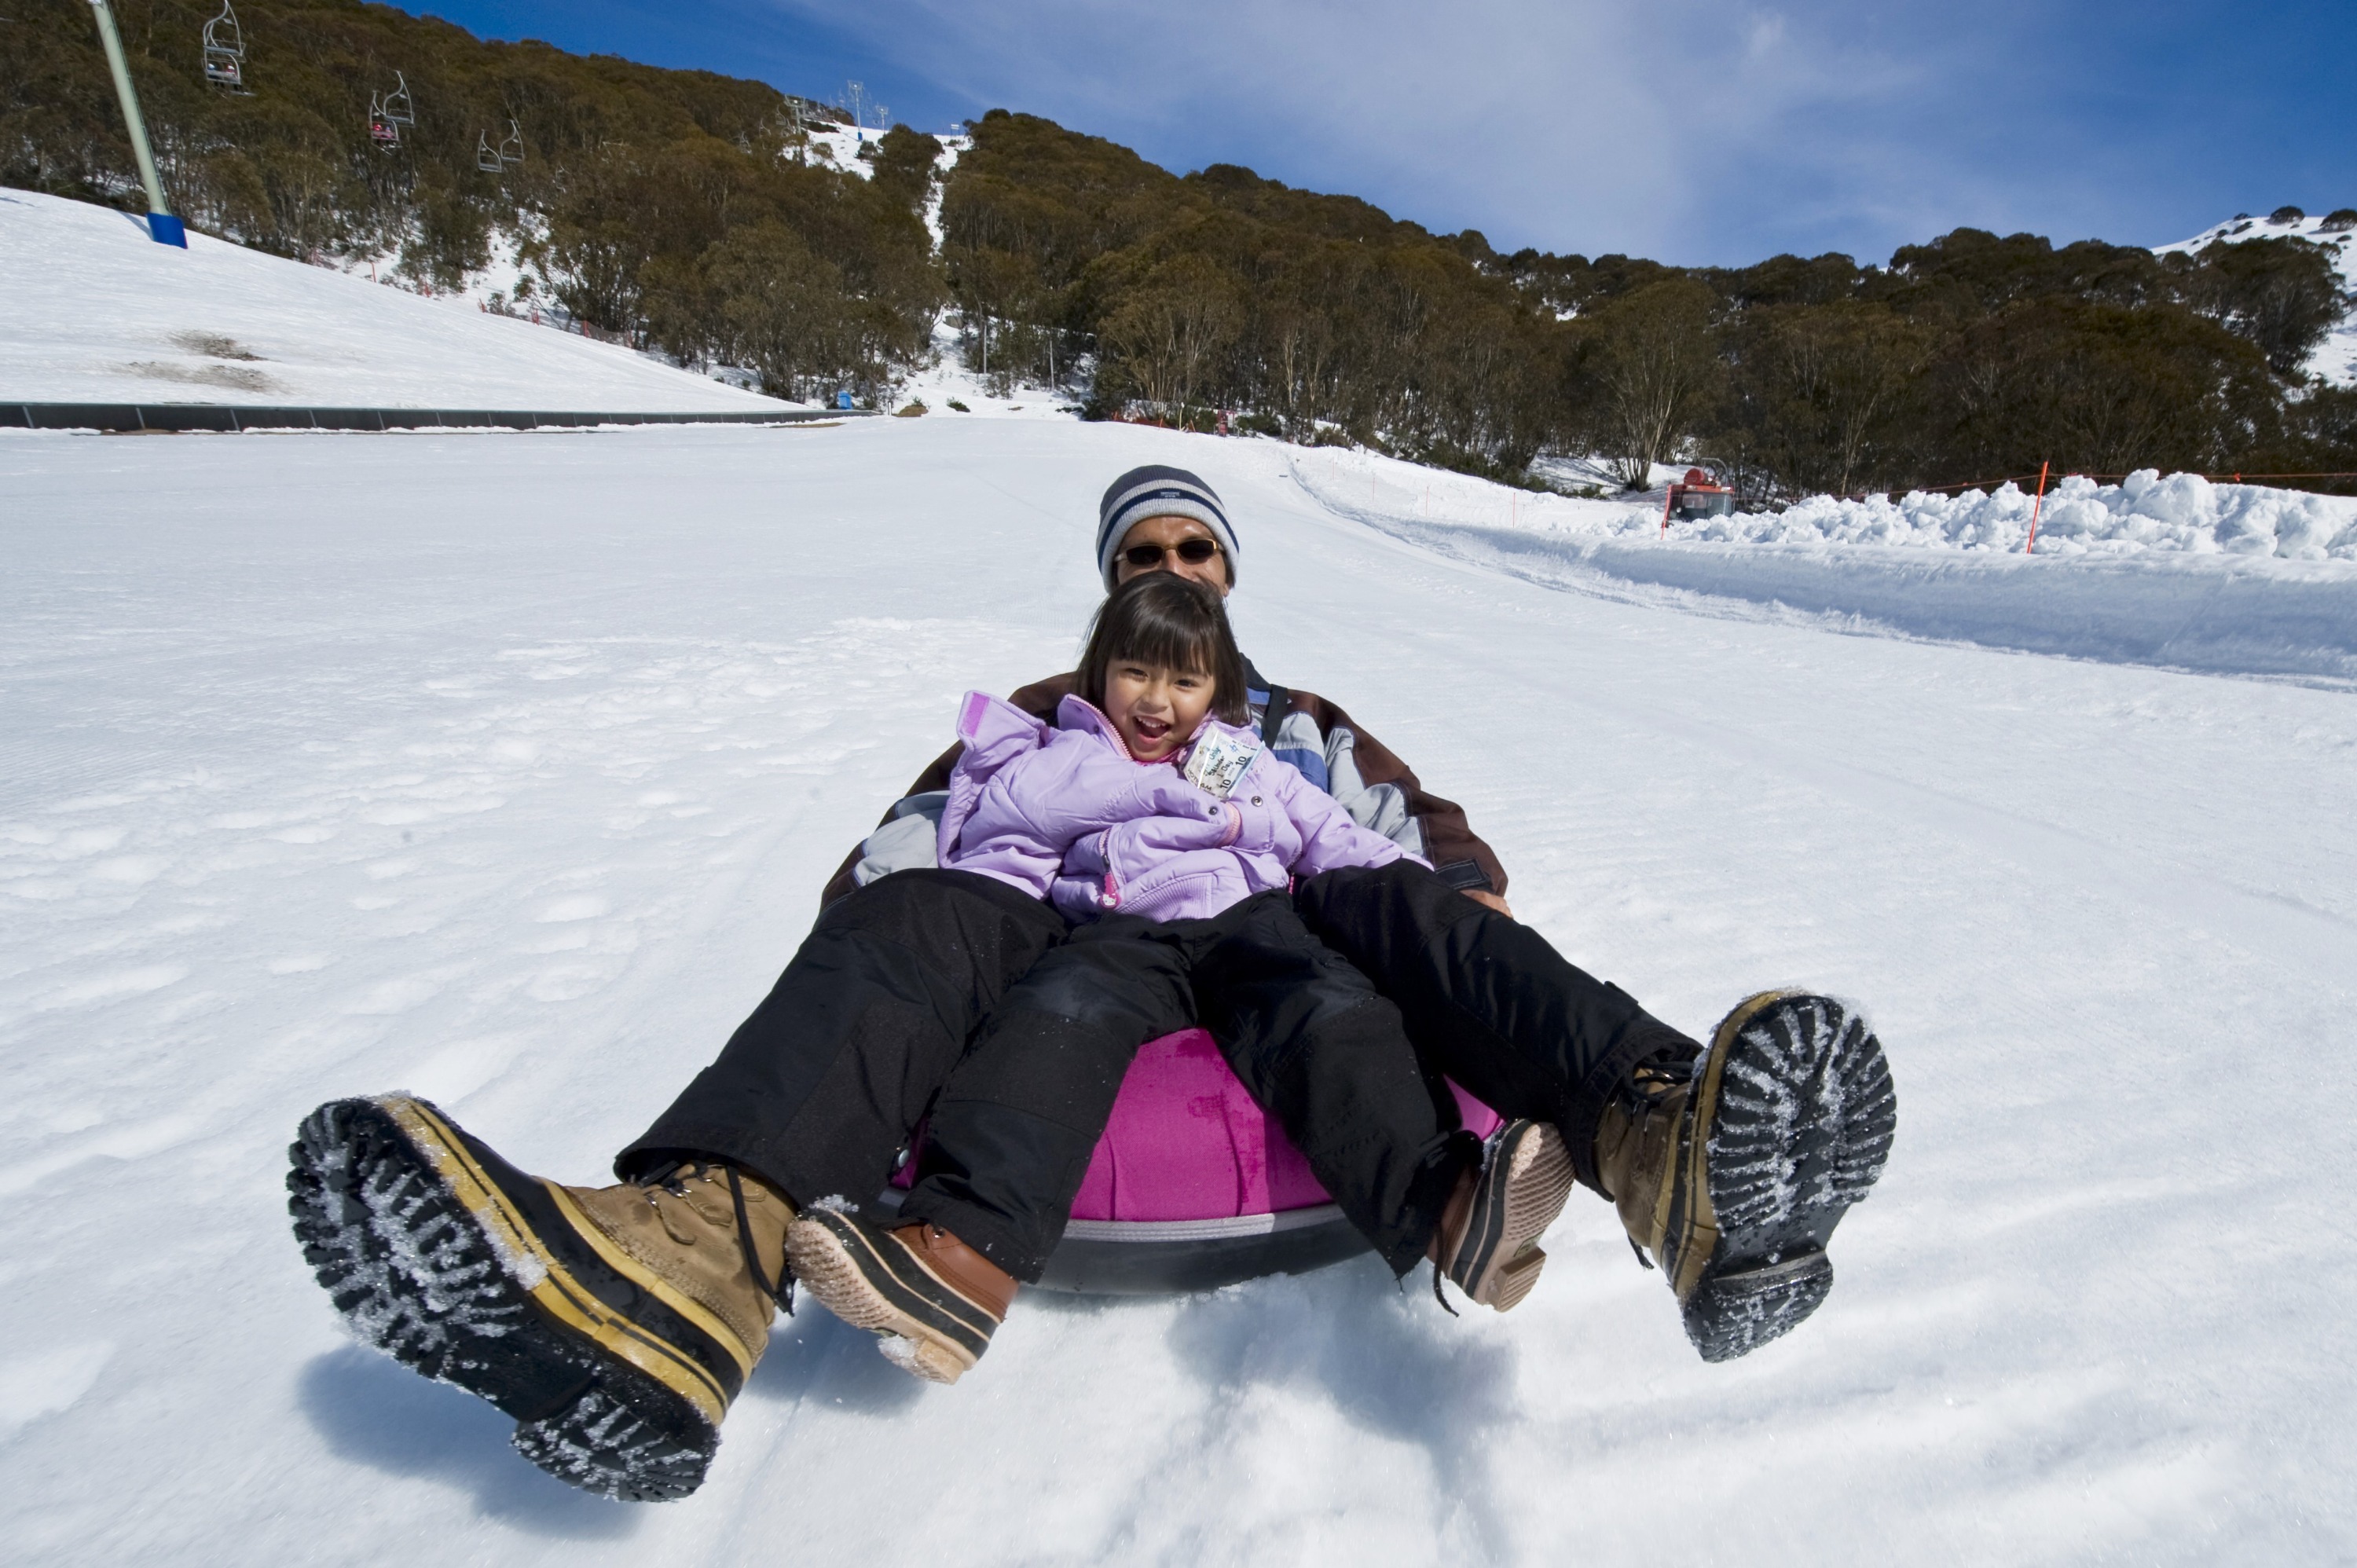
<point>1219,759</point>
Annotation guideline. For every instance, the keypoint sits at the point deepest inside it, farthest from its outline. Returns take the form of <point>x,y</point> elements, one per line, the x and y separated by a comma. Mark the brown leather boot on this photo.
<point>1731,1171</point>
<point>681,1225</point>
<point>935,1300</point>
<point>616,1324</point>
<point>1489,1233</point>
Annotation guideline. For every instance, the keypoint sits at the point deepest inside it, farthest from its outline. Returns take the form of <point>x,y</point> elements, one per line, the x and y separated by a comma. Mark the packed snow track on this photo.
<point>505,769</point>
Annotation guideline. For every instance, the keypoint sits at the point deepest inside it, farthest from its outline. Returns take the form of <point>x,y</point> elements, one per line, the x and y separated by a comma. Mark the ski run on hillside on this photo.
<point>514,786</point>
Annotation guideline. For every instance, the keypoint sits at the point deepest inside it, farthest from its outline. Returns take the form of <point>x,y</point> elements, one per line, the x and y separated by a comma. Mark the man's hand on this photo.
<point>1489,900</point>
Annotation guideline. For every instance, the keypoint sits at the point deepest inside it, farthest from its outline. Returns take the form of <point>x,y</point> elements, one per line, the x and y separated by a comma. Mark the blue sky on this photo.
<point>1692,131</point>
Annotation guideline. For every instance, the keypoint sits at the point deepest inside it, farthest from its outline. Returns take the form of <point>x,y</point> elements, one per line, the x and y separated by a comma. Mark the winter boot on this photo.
<point>1732,1170</point>
<point>935,1300</point>
<point>614,1323</point>
<point>1488,1238</point>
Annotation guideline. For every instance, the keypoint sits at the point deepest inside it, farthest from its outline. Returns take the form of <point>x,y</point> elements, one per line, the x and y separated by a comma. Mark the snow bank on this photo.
<point>2183,513</point>
<point>2230,579</point>
<point>96,312</point>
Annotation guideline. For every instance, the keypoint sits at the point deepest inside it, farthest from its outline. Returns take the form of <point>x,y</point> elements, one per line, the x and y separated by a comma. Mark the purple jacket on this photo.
<point>1066,815</point>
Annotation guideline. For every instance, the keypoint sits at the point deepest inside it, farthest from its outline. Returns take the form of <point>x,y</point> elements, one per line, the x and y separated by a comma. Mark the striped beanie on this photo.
<point>1158,491</point>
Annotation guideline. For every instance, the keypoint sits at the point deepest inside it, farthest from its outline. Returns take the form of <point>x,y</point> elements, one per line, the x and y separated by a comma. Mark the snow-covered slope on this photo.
<point>506,767</point>
<point>92,311</point>
<point>2336,357</point>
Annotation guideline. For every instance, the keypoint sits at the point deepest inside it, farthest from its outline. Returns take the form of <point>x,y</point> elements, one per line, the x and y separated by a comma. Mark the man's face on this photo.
<point>1165,535</point>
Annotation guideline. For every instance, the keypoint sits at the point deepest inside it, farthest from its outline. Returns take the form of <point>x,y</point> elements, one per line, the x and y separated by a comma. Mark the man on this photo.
<point>1158,518</point>
<point>617,1324</point>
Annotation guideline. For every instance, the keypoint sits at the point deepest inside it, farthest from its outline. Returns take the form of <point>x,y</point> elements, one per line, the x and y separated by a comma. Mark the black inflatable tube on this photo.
<point>1113,1257</point>
<point>1090,1266</point>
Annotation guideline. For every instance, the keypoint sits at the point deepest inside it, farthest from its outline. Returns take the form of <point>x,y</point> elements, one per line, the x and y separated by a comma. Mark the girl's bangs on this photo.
<point>1162,640</point>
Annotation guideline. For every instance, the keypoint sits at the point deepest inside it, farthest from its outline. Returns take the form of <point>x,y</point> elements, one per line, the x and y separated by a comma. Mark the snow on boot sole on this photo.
<point>1797,1100</point>
<point>469,1272</point>
<point>1519,1195</point>
<point>874,1283</point>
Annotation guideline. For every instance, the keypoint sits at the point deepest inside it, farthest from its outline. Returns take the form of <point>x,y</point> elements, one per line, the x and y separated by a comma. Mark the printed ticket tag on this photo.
<point>1219,759</point>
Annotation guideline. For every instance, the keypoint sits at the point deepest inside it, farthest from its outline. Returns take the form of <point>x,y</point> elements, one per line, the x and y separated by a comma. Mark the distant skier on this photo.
<point>617,1324</point>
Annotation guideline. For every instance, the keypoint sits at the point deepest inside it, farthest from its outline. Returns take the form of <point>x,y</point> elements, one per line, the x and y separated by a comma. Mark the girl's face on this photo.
<point>1156,708</point>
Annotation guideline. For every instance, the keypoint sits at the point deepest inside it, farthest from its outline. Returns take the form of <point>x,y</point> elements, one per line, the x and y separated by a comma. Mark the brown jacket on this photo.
<point>1447,841</point>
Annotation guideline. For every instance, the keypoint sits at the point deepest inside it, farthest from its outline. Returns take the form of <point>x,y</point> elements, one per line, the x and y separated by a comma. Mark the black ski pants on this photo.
<point>1011,1138</point>
<point>818,1091</point>
<point>1487,1000</point>
<point>822,1087</point>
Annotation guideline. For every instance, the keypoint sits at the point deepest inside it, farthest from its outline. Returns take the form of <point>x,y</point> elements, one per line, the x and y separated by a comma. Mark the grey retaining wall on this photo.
<point>178,416</point>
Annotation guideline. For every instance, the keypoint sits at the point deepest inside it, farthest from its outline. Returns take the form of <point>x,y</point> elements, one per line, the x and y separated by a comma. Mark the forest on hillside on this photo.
<point>686,212</point>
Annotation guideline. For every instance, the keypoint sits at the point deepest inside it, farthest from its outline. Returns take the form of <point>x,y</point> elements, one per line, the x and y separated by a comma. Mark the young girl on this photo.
<point>1170,837</point>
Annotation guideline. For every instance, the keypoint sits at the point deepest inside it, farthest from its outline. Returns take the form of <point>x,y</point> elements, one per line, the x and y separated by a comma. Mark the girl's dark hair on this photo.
<point>1160,617</point>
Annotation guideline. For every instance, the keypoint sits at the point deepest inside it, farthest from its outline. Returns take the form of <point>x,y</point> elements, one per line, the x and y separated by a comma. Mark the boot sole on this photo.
<point>1797,1097</point>
<point>875,1283</point>
<point>421,1246</point>
<point>1522,1195</point>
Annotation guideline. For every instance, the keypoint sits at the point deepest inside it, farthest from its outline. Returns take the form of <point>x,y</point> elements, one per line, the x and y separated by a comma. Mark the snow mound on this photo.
<point>2182,512</point>
<point>98,313</point>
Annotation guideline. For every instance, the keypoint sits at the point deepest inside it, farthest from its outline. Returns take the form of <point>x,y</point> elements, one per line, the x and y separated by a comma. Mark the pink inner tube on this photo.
<point>1186,1142</point>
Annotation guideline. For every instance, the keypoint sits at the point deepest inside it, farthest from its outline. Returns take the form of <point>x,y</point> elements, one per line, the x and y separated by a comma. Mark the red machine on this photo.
<point>1696,496</point>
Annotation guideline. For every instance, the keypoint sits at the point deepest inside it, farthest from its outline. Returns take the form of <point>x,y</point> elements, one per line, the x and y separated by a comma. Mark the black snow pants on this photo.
<point>947,997</point>
<point>1487,1000</point>
<point>818,1091</point>
<point>1011,1138</point>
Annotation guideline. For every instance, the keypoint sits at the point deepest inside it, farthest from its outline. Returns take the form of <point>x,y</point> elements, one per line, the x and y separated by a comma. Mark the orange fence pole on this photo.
<point>2035,508</point>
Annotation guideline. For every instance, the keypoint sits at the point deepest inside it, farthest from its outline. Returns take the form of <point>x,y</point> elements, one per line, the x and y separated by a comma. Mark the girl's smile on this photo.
<point>1156,709</point>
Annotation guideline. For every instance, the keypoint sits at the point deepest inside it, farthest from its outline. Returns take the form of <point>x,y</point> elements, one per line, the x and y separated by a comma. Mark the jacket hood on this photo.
<point>995,731</point>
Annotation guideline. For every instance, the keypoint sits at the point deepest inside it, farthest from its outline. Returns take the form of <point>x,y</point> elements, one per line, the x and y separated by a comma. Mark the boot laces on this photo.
<point>1654,1081</point>
<point>1647,1089</point>
<point>672,1178</point>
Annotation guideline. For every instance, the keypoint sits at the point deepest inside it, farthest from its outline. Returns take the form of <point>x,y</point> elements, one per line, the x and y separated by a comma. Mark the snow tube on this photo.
<point>1193,1186</point>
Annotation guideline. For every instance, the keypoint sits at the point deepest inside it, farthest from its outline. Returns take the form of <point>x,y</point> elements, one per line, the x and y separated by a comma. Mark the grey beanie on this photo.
<point>1158,491</point>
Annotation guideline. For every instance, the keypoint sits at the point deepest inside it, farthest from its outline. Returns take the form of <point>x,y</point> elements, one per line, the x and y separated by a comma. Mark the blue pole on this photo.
<point>162,227</point>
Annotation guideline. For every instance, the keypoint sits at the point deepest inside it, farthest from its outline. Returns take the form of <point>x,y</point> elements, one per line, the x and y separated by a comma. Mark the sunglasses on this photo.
<point>1194,552</point>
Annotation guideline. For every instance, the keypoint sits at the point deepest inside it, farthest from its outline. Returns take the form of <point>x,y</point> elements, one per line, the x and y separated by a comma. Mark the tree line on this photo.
<point>685,212</point>
<point>1322,317</point>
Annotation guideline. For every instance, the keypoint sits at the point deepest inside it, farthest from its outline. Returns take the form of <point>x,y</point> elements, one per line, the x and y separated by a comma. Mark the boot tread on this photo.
<point>1789,1127</point>
<point>873,1281</point>
<point>443,1286</point>
<point>1518,1195</point>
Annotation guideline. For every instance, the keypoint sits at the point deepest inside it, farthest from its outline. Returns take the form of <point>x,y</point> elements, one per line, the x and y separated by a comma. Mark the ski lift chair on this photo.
<point>514,140</point>
<point>486,160</point>
<point>383,130</point>
<point>224,45</point>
